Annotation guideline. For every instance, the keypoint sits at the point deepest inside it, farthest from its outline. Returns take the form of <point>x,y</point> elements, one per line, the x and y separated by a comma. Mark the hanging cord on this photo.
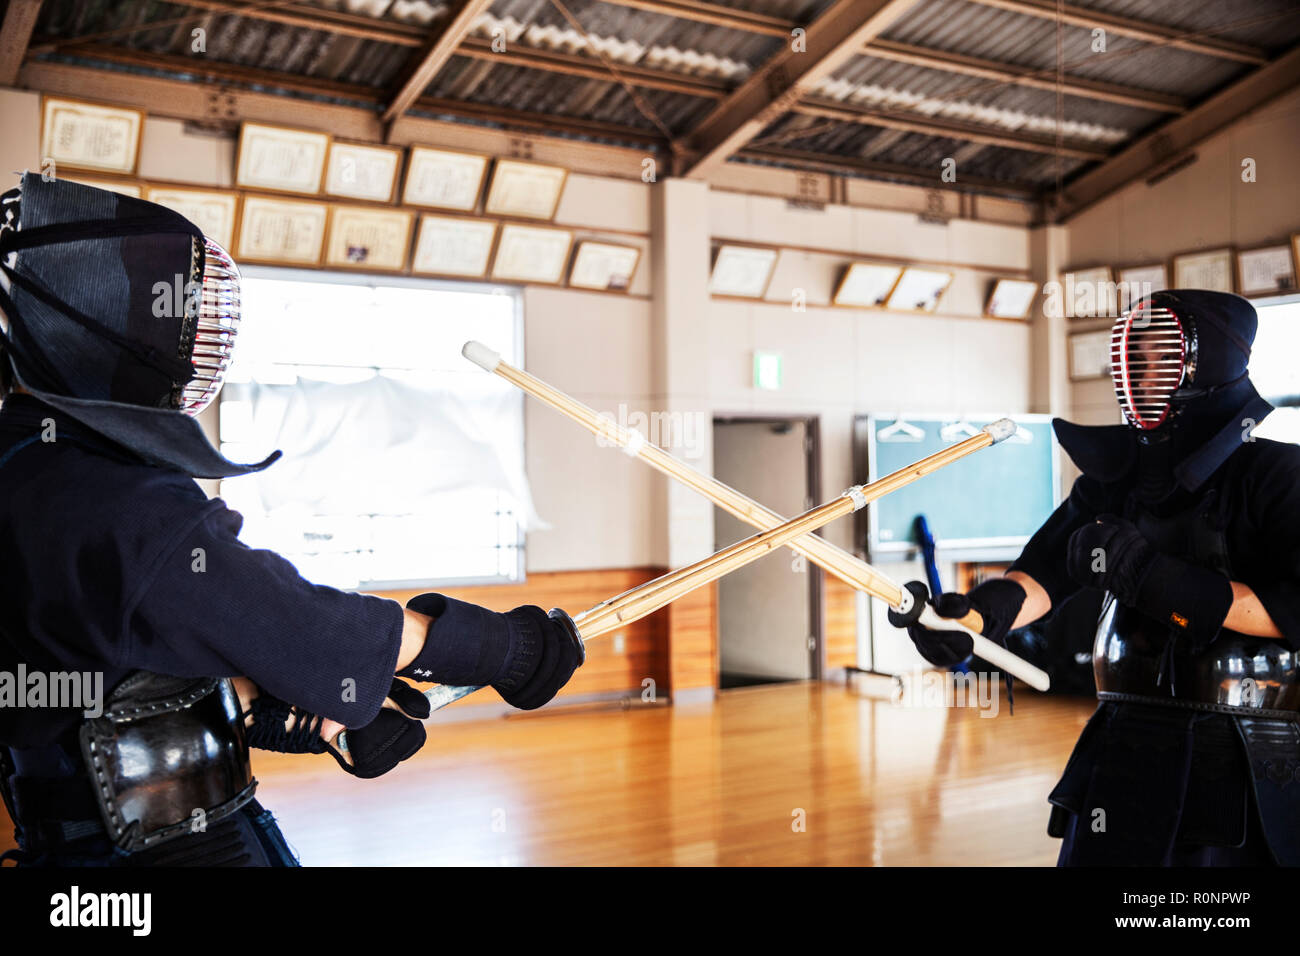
<point>645,108</point>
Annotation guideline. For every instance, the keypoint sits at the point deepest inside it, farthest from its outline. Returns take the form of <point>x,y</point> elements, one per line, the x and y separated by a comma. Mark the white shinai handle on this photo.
<point>995,654</point>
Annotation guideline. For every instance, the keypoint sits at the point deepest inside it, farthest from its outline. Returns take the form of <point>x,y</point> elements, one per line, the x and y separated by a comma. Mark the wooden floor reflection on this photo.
<point>724,782</point>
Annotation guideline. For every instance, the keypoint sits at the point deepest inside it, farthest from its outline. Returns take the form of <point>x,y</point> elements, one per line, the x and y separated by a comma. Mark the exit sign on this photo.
<point>768,371</point>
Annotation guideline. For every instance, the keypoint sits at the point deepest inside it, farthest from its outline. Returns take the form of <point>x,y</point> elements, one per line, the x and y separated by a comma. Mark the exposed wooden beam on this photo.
<point>1021,76</point>
<point>434,56</point>
<point>1183,132</point>
<point>15,33</point>
<point>831,39</point>
<point>1131,27</point>
<point>577,64</point>
<point>932,126</point>
<point>827,162</point>
<point>715,14</point>
<point>226,105</point>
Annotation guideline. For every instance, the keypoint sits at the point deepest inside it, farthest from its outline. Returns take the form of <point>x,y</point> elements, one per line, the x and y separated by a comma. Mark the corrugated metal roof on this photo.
<point>626,34</point>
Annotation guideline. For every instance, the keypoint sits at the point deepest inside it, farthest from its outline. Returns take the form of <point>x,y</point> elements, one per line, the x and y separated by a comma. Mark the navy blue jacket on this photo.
<point>101,570</point>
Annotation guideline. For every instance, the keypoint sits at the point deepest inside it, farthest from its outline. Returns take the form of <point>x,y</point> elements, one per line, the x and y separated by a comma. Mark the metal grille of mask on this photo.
<point>218,323</point>
<point>1148,359</point>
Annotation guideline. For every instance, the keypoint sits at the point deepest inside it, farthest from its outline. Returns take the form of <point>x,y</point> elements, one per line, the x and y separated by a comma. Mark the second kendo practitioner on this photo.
<point>1190,524</point>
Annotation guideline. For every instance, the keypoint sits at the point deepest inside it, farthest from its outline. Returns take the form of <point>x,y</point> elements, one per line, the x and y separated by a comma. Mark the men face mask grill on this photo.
<point>1148,362</point>
<point>215,330</point>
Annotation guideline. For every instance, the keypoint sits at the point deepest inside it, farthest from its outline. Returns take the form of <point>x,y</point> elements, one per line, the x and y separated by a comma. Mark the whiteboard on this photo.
<point>984,507</point>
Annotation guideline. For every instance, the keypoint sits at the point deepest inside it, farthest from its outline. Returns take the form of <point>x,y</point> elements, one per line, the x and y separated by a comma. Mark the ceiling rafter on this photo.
<point>433,57</point>
<point>1182,133</point>
<point>831,40</point>
<point>1023,76</point>
<point>15,34</point>
<point>715,15</point>
<point>1131,27</point>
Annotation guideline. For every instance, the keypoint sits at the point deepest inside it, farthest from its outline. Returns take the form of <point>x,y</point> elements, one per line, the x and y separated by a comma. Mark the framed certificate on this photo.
<point>360,171</point>
<point>1136,282</point>
<point>363,237</point>
<point>444,178</point>
<point>282,231</point>
<point>1089,355</point>
<point>1089,293</point>
<point>451,246</point>
<point>1267,270</point>
<point>527,190</point>
<point>84,135</point>
<point>742,271</point>
<point>867,284</point>
<point>919,290</point>
<point>532,254</point>
<point>1204,270</point>
<point>1011,299</point>
<point>604,266</point>
<point>212,210</point>
<point>281,158</point>
<point>126,189</point>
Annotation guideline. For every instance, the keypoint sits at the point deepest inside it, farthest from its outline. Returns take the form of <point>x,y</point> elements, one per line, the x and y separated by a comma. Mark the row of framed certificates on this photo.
<point>297,232</point>
<point>1257,271</point>
<point>98,138</point>
<point>745,271</point>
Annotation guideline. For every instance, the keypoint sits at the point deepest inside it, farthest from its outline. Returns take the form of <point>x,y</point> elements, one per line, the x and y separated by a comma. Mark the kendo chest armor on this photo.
<point>1139,659</point>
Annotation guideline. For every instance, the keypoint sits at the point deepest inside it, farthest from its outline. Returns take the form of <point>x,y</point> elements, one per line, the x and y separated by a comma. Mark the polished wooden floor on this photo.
<point>795,774</point>
<point>719,782</point>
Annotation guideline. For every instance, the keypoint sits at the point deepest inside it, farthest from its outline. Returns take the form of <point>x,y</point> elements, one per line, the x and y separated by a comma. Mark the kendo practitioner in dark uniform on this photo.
<point>101,530</point>
<point>1191,526</point>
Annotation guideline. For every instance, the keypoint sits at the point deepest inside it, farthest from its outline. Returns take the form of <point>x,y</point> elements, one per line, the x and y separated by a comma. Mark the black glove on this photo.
<point>526,655</point>
<point>375,749</point>
<point>998,602</point>
<point>1112,555</point>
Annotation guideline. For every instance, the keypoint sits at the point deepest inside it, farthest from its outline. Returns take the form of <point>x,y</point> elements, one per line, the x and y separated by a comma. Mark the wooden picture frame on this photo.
<point>531,254</point>
<point>1267,270</point>
<point>363,171</point>
<point>924,287</point>
<point>286,232</point>
<point>281,158</point>
<point>444,178</point>
<point>742,271</point>
<point>97,137</point>
<point>1100,277</point>
<point>525,190</point>
<point>454,246</point>
<point>1208,269</point>
<point>368,238</point>
<point>134,190</point>
<point>1011,299</point>
<point>1149,277</point>
<point>1089,355</point>
<point>215,211</point>
<point>866,285</point>
<point>604,266</point>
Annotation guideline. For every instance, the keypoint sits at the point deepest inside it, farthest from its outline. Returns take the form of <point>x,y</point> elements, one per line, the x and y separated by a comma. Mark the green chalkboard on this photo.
<point>994,499</point>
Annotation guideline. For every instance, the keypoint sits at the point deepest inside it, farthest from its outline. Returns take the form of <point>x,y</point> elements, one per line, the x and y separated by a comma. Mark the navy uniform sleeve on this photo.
<point>1272,501</point>
<point>1043,558</point>
<point>216,608</point>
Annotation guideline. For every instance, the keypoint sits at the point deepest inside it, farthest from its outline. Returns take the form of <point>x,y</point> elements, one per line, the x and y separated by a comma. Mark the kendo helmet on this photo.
<point>1175,347</point>
<point>120,313</point>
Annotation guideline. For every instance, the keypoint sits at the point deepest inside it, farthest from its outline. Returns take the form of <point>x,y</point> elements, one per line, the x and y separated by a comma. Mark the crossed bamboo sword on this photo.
<point>774,532</point>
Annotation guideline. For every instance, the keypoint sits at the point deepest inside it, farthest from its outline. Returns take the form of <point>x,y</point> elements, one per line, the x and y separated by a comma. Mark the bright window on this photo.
<point>1274,368</point>
<point>403,463</point>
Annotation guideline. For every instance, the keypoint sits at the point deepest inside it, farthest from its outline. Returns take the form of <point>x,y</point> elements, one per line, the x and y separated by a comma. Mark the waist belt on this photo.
<point>1207,706</point>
